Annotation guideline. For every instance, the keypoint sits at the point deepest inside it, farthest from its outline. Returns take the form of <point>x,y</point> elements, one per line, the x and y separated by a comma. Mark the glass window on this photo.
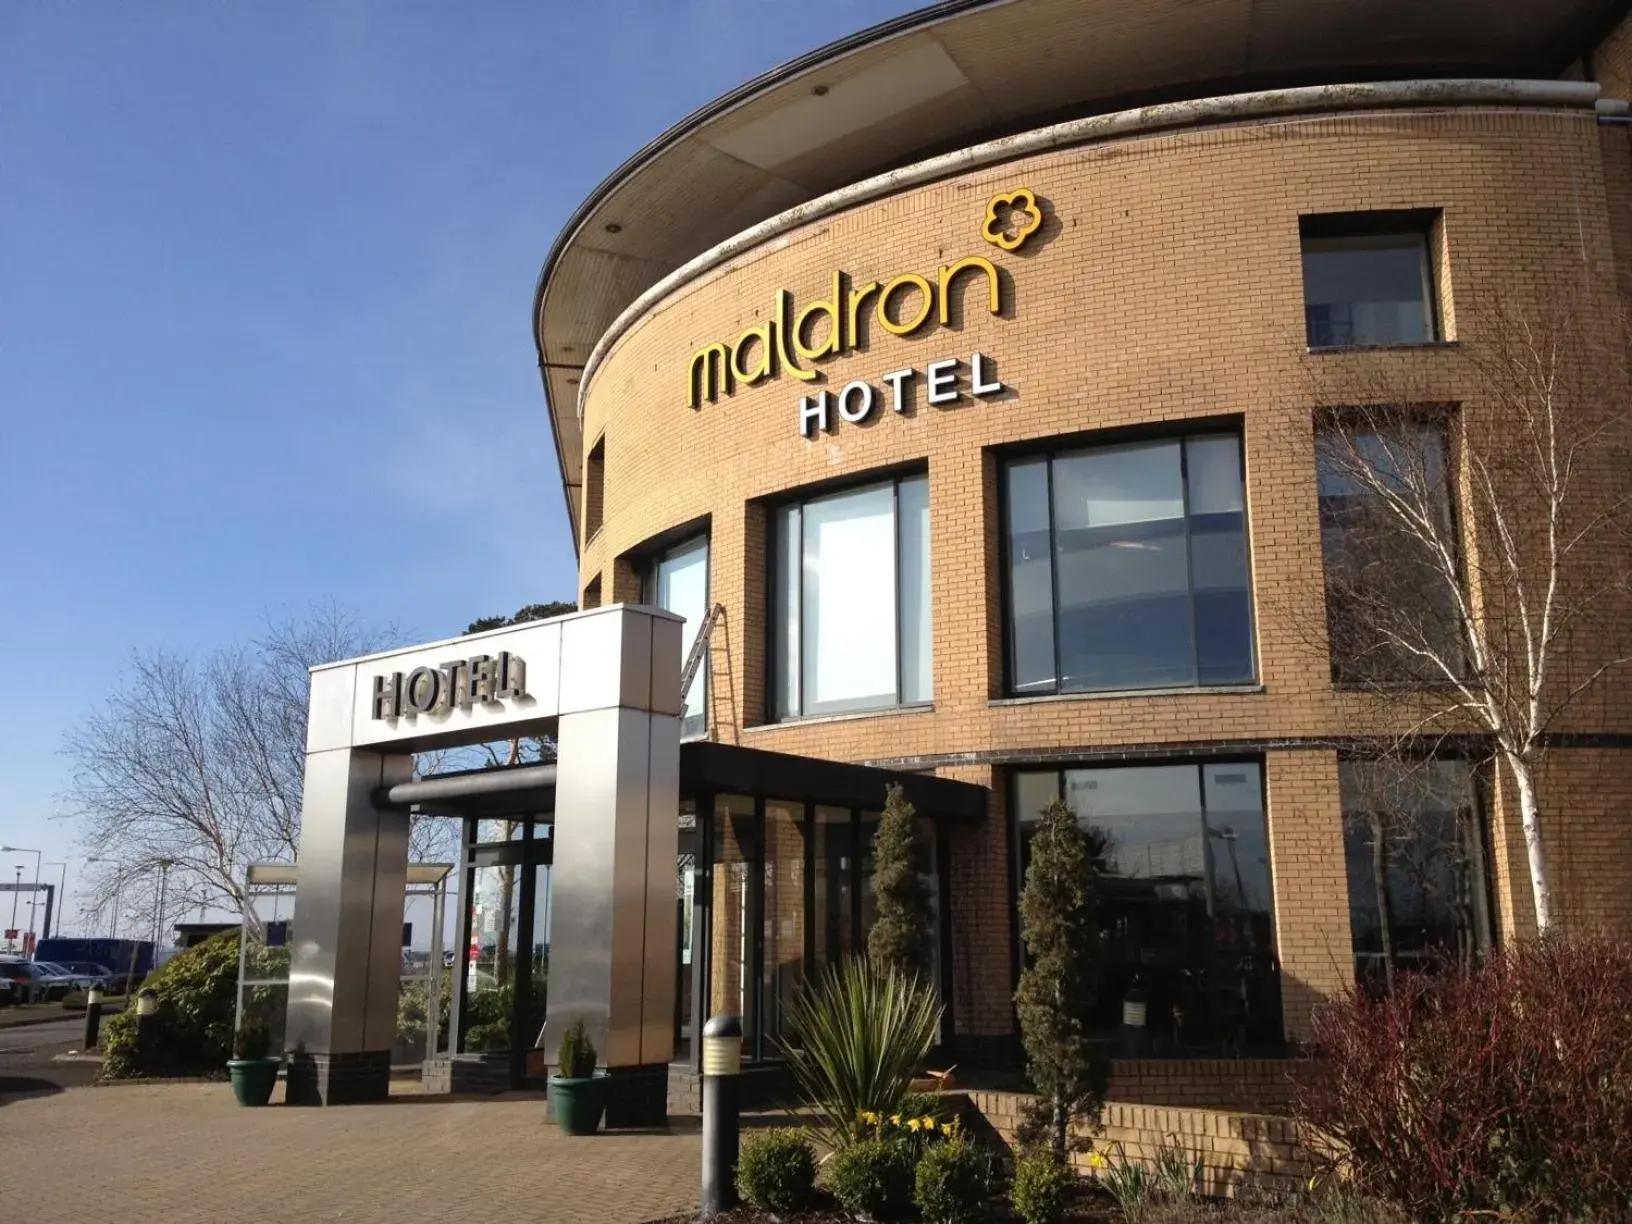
<point>1367,279</point>
<point>1415,850</point>
<point>1185,902</point>
<point>1388,597</point>
<point>1128,568</point>
<point>679,584</point>
<point>835,860</point>
<point>851,624</point>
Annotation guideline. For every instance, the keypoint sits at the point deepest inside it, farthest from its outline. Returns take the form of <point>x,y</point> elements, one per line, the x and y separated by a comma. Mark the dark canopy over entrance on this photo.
<point>771,886</point>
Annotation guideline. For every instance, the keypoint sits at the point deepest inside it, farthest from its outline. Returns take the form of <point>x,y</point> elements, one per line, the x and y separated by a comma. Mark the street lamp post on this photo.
<point>16,891</point>
<point>164,866</point>
<point>62,897</point>
<point>31,901</point>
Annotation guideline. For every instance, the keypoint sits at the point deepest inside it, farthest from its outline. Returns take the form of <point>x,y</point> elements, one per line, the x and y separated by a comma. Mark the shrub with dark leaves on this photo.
<point>1506,1089</point>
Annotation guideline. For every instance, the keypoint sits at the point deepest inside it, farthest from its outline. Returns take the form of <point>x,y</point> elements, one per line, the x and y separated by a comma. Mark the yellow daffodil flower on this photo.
<point>912,1124</point>
<point>1096,1160</point>
<point>895,1119</point>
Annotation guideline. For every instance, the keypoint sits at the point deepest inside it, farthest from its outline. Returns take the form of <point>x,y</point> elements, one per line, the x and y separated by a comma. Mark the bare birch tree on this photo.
<point>1477,554</point>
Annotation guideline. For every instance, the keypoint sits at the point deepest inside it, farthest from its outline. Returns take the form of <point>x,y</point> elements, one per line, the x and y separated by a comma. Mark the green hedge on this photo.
<point>191,1032</point>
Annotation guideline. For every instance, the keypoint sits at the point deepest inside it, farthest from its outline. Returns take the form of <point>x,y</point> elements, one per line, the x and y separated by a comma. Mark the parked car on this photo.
<point>93,974</point>
<point>75,979</point>
<point>33,982</point>
<point>8,992</point>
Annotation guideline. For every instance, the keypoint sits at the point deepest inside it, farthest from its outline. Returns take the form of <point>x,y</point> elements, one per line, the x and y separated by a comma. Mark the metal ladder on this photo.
<point>699,650</point>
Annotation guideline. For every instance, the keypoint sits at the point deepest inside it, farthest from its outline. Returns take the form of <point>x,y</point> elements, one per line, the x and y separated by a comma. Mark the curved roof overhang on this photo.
<point>964,71</point>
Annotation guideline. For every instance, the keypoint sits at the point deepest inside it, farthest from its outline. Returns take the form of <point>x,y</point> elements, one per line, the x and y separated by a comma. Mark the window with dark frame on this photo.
<point>1127,567</point>
<point>594,488</point>
<point>1185,901</point>
<point>850,599</point>
<point>1368,278</point>
<point>1414,845</point>
<point>677,580</point>
<point>1391,608</point>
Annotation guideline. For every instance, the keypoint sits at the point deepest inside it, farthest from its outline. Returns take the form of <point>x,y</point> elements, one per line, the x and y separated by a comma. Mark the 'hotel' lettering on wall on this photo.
<point>460,684</point>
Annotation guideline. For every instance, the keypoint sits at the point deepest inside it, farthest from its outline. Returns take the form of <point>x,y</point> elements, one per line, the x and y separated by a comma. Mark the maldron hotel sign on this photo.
<point>904,305</point>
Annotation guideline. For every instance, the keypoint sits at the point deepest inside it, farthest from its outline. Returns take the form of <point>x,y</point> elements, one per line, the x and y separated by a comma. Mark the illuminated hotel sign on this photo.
<point>835,326</point>
<point>461,683</point>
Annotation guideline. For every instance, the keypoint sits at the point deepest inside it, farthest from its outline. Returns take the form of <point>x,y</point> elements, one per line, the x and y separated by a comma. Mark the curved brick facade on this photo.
<point>1165,286</point>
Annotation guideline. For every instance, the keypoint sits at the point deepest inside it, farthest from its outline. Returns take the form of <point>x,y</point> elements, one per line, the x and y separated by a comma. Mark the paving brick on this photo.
<point>188,1154</point>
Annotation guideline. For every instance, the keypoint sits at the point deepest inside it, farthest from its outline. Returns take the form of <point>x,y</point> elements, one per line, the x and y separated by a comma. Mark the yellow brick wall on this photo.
<point>1164,287</point>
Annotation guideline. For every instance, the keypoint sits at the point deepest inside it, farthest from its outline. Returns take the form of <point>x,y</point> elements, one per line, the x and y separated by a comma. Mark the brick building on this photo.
<point>969,367</point>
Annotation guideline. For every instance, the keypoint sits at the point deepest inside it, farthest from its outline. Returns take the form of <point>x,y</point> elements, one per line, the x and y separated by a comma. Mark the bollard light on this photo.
<point>722,1046</point>
<point>722,1070</point>
<point>93,997</point>
<point>146,1002</point>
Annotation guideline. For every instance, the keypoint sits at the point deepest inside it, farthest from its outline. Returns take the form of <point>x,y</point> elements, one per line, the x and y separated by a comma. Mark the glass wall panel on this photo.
<point>912,520</point>
<point>736,856</point>
<point>849,660</point>
<point>1218,560</point>
<point>1031,579</point>
<point>1185,903</point>
<point>1418,884</point>
<point>1367,289</point>
<point>1123,594</point>
<point>685,889</point>
<point>490,978</point>
<point>835,914</point>
<point>1383,583</point>
<point>784,915</point>
<point>1148,584</point>
<point>850,617</point>
<point>682,588</point>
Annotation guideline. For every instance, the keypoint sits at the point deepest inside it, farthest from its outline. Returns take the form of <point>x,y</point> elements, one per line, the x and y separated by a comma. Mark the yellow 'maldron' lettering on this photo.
<point>834,326</point>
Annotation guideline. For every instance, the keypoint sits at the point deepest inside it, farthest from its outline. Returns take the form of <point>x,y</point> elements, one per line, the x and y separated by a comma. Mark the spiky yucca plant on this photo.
<point>856,1037</point>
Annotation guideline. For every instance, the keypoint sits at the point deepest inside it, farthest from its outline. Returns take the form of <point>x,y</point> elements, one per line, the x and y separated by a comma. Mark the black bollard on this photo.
<point>93,1017</point>
<point>722,1070</point>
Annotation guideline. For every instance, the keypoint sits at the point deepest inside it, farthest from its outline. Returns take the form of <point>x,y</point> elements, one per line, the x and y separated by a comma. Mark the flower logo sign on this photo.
<point>1011,218</point>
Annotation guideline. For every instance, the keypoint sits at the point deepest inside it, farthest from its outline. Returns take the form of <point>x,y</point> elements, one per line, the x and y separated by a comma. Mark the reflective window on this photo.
<point>1367,279</point>
<point>1128,568</point>
<point>1185,899</point>
<point>678,583</point>
<point>1388,596</point>
<point>851,621</point>
<point>1414,844</point>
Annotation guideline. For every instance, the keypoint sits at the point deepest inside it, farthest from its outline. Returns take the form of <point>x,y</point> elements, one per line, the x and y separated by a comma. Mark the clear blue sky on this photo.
<point>265,278</point>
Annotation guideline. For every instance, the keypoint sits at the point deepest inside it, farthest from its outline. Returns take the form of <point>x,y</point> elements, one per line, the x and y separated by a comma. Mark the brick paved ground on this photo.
<point>187,1154</point>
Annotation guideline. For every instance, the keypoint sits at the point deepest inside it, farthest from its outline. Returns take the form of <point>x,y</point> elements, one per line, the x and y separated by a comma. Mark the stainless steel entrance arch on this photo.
<point>606,684</point>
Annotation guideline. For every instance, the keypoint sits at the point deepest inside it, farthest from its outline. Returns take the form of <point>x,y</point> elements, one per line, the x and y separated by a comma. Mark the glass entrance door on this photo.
<point>502,960</point>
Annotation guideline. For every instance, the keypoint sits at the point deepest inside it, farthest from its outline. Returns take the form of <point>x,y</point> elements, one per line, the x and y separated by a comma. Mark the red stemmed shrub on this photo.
<point>1503,1090</point>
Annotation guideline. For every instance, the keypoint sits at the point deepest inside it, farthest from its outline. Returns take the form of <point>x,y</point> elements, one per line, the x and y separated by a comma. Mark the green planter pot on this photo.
<point>578,1103</point>
<point>253,1079</point>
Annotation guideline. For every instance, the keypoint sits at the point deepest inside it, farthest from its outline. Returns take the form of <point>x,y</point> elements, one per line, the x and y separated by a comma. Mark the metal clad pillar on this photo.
<point>346,957</point>
<point>612,953</point>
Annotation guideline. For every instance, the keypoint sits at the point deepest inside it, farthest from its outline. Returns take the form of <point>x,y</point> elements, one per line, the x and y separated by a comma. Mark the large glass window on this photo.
<point>1128,567</point>
<point>1185,901</point>
<point>1385,506</point>
<point>851,622</point>
<point>1414,844</point>
<point>678,582</point>
<point>1367,279</point>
